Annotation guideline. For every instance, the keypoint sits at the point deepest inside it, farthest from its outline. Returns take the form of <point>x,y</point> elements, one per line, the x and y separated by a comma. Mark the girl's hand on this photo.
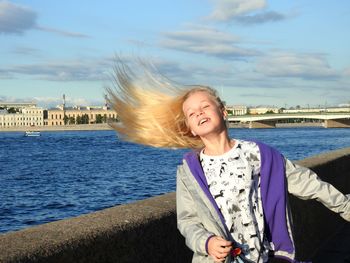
<point>219,248</point>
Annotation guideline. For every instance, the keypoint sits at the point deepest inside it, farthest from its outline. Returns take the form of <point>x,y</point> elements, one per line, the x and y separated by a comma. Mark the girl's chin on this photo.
<point>209,131</point>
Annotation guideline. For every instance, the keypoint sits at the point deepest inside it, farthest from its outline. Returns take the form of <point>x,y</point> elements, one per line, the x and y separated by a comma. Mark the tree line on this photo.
<point>84,119</point>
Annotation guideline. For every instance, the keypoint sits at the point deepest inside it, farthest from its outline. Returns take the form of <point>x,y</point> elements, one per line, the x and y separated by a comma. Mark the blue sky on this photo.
<point>254,52</point>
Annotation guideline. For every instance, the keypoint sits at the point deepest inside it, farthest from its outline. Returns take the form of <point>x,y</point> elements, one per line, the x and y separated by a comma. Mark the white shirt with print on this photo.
<point>234,182</point>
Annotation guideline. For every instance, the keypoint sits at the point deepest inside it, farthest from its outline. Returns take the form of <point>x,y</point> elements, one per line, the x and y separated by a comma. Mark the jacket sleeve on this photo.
<point>305,184</point>
<point>188,222</point>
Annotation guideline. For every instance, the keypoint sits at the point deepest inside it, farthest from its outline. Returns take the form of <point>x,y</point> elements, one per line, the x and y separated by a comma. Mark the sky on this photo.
<point>254,52</point>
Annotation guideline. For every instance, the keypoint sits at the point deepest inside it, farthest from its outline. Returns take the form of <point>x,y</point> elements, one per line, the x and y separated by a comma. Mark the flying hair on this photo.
<point>149,108</point>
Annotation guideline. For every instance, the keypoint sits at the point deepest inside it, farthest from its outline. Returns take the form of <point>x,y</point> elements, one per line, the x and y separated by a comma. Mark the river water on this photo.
<point>65,174</point>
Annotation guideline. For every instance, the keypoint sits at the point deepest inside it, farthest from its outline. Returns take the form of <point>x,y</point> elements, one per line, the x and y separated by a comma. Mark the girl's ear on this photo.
<point>224,113</point>
<point>193,133</point>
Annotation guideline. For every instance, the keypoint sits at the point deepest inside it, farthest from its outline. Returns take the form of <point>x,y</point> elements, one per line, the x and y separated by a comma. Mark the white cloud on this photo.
<point>207,41</point>
<point>295,65</point>
<point>62,33</point>
<point>283,78</point>
<point>268,16</point>
<point>62,71</point>
<point>16,19</point>
<point>51,102</point>
<point>244,12</point>
<point>192,74</point>
<point>5,74</point>
<point>228,9</point>
<point>21,50</point>
<point>346,72</point>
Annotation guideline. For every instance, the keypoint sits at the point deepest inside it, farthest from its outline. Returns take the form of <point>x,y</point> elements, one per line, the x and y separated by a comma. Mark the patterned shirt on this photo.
<point>234,182</point>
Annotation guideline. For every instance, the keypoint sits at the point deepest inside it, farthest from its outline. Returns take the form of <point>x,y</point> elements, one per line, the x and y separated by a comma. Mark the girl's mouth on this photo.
<point>204,120</point>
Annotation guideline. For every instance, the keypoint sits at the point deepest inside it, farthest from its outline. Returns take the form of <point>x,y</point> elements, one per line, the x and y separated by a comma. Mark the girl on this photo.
<point>230,193</point>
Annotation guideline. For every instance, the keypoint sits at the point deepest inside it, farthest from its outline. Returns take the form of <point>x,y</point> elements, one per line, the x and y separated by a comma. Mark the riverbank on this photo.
<point>105,126</point>
<point>78,127</point>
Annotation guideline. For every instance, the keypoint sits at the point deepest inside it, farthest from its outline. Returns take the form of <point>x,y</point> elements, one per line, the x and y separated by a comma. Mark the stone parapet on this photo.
<point>143,231</point>
<point>337,123</point>
<point>262,124</point>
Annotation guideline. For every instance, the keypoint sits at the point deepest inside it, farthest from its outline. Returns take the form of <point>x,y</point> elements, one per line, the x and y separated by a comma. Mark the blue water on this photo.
<point>65,174</point>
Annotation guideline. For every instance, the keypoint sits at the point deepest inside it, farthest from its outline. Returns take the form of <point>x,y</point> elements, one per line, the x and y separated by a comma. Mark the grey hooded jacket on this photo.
<point>198,219</point>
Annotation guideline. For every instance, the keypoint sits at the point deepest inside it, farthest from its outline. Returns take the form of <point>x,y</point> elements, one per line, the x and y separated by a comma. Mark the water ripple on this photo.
<point>65,174</point>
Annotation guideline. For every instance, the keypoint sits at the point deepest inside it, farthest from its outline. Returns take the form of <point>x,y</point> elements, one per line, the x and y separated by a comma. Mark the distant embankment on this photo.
<point>105,126</point>
<point>282,125</point>
<point>77,127</point>
<point>145,231</point>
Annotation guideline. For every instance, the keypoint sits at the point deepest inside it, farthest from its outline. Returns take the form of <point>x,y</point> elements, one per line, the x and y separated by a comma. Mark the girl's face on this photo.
<point>203,115</point>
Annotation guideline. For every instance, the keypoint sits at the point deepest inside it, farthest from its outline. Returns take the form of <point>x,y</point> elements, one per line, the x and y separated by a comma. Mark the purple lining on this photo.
<point>192,160</point>
<point>206,243</point>
<point>273,195</point>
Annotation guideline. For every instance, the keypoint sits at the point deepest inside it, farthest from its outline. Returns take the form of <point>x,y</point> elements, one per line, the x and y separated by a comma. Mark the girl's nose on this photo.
<point>199,113</point>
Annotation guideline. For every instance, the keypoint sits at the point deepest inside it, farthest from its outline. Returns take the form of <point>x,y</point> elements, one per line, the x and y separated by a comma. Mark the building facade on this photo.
<point>14,114</point>
<point>25,116</point>
<point>263,110</point>
<point>237,110</point>
<point>79,115</point>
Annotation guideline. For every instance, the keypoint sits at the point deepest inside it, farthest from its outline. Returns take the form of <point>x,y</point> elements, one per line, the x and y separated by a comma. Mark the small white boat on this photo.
<point>32,133</point>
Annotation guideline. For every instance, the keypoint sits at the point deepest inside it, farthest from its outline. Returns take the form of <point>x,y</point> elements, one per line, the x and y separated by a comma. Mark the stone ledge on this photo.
<point>124,226</point>
<point>75,127</point>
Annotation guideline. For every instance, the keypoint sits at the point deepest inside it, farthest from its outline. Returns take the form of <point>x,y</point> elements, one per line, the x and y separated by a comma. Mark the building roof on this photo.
<point>9,104</point>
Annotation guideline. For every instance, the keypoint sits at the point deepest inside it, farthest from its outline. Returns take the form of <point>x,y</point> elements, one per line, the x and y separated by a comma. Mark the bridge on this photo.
<point>331,120</point>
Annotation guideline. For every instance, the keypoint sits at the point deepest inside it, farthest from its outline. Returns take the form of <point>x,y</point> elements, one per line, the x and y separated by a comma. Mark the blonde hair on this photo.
<point>151,113</point>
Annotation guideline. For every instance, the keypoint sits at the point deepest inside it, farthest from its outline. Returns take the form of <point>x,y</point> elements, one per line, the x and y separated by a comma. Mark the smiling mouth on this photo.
<point>203,121</point>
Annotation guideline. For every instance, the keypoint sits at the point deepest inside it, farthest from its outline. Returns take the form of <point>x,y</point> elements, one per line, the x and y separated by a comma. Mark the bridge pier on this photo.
<point>262,124</point>
<point>338,123</point>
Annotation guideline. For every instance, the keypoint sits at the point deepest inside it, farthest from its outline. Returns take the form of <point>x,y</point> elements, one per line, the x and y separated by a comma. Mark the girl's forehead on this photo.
<point>197,97</point>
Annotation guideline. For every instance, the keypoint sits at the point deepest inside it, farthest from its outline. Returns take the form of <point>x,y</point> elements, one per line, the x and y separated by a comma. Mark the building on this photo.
<point>263,110</point>
<point>14,114</point>
<point>63,115</point>
<point>79,115</point>
<point>237,110</point>
<point>24,116</point>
